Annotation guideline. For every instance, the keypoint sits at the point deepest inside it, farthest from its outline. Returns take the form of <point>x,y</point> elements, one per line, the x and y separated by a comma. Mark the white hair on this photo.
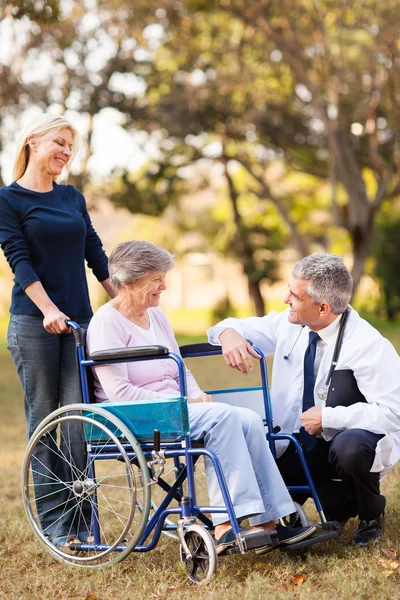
<point>129,261</point>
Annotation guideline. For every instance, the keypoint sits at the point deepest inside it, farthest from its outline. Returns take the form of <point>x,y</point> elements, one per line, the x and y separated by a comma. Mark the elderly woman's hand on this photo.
<point>236,351</point>
<point>202,398</point>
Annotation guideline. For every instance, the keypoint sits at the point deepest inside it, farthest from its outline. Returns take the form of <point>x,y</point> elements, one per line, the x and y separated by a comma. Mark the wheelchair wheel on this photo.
<point>202,564</point>
<point>80,490</point>
<point>296,519</point>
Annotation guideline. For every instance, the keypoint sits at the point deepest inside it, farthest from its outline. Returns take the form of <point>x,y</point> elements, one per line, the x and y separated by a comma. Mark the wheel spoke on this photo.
<point>106,495</point>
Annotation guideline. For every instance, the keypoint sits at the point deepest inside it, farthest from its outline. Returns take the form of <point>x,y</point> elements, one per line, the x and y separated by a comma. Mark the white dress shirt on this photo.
<point>327,335</point>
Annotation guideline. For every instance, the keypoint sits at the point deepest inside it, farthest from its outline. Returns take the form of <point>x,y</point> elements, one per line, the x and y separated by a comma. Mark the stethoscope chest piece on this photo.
<point>323,393</point>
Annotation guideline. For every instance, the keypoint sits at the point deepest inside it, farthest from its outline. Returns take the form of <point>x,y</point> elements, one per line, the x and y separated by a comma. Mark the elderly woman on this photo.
<point>133,318</point>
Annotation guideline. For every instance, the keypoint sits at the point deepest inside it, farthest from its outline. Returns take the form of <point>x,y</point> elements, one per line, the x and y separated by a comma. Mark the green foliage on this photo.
<point>387,253</point>
<point>147,192</point>
<point>222,310</point>
<point>40,11</point>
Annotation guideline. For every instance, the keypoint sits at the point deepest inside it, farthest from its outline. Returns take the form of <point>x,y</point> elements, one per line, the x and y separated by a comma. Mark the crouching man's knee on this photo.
<point>353,451</point>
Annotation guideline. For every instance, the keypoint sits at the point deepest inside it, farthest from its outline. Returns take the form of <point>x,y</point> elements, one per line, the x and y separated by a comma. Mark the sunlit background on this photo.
<point>239,135</point>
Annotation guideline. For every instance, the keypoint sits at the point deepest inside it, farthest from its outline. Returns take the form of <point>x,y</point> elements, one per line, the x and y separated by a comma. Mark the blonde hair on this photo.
<point>44,125</point>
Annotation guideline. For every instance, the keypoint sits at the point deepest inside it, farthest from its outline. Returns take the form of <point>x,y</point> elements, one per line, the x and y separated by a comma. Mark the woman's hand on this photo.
<point>236,351</point>
<point>202,398</point>
<point>54,321</point>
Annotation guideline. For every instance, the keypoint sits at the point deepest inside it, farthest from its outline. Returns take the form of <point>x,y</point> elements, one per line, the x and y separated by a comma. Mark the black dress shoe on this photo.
<point>341,520</point>
<point>368,532</point>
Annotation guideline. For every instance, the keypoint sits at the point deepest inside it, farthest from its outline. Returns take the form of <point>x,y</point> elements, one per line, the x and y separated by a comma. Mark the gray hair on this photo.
<point>132,260</point>
<point>328,279</point>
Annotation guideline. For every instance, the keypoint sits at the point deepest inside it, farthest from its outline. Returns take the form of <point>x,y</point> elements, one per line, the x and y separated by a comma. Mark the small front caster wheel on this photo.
<point>201,564</point>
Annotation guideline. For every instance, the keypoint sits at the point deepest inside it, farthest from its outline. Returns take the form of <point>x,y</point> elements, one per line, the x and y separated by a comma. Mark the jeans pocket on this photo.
<point>11,334</point>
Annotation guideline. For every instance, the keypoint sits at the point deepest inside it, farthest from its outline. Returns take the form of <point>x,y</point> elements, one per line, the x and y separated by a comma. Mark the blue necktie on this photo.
<point>309,441</point>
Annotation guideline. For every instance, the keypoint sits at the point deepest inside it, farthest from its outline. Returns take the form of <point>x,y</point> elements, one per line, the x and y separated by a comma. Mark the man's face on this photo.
<point>302,310</point>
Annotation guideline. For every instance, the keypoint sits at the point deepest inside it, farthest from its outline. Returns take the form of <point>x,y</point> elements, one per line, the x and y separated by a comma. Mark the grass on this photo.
<point>331,570</point>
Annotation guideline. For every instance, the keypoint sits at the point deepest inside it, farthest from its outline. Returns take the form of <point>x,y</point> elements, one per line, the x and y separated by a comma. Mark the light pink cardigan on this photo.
<point>136,380</point>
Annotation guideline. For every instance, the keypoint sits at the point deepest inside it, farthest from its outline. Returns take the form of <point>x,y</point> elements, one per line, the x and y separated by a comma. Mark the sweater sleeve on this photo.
<point>94,254</point>
<point>14,244</point>
<point>105,333</point>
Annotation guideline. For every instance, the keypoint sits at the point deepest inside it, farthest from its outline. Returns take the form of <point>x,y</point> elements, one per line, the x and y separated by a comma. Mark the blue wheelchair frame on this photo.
<point>273,433</point>
<point>187,505</point>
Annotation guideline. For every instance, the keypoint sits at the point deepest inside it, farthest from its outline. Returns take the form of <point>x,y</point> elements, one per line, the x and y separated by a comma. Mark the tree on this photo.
<point>346,58</point>
<point>314,81</point>
<point>161,192</point>
<point>312,84</point>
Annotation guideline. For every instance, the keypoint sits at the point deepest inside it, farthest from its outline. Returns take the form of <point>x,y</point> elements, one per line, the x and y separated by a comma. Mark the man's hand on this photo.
<point>202,398</point>
<point>312,420</point>
<point>237,351</point>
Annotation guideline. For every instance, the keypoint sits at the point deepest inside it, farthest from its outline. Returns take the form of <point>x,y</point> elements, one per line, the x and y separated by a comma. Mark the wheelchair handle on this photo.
<point>78,331</point>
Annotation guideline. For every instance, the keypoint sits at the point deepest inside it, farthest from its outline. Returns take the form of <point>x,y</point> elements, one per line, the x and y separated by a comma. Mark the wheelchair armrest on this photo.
<point>130,352</point>
<point>188,350</point>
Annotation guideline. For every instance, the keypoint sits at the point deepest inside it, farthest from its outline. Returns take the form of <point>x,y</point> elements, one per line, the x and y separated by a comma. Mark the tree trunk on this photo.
<point>256,296</point>
<point>357,216</point>
<point>244,250</point>
<point>361,240</point>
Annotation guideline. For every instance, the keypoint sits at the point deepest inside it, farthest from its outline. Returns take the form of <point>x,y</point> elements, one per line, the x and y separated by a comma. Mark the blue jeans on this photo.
<point>47,368</point>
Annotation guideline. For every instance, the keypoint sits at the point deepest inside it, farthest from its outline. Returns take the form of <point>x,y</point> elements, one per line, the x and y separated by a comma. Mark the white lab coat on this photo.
<point>372,358</point>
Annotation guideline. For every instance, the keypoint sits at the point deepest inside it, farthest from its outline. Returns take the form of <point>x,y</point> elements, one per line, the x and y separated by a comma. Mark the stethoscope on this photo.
<point>323,392</point>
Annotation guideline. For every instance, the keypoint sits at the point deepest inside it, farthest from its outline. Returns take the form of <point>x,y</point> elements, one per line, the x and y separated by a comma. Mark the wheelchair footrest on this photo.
<point>326,531</point>
<point>256,540</point>
<point>259,539</point>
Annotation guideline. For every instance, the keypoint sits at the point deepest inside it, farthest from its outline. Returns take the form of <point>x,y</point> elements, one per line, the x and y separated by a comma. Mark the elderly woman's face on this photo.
<point>148,289</point>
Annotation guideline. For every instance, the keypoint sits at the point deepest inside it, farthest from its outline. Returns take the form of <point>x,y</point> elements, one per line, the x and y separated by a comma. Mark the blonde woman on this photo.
<point>46,235</point>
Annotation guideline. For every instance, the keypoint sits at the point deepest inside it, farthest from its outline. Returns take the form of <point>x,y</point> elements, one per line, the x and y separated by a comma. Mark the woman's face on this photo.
<point>52,152</point>
<point>147,290</point>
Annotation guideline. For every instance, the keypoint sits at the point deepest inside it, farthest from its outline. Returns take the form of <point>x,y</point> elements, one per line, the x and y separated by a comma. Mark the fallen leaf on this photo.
<point>386,573</point>
<point>388,563</point>
<point>91,597</point>
<point>389,553</point>
<point>300,579</point>
<point>285,588</point>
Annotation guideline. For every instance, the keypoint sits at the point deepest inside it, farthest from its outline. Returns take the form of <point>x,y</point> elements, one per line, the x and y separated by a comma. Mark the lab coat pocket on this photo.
<point>386,454</point>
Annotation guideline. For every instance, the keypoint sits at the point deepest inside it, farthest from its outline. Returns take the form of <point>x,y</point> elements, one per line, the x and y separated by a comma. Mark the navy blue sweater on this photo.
<point>46,237</point>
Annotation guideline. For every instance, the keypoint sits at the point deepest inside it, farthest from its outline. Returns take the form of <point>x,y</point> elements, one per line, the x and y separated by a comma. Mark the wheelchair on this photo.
<point>124,448</point>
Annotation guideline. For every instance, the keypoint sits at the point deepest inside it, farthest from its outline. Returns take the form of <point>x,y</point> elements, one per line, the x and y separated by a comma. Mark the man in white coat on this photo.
<point>335,384</point>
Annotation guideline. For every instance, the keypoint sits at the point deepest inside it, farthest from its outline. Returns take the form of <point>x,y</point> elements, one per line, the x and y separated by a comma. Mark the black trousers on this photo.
<point>347,458</point>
